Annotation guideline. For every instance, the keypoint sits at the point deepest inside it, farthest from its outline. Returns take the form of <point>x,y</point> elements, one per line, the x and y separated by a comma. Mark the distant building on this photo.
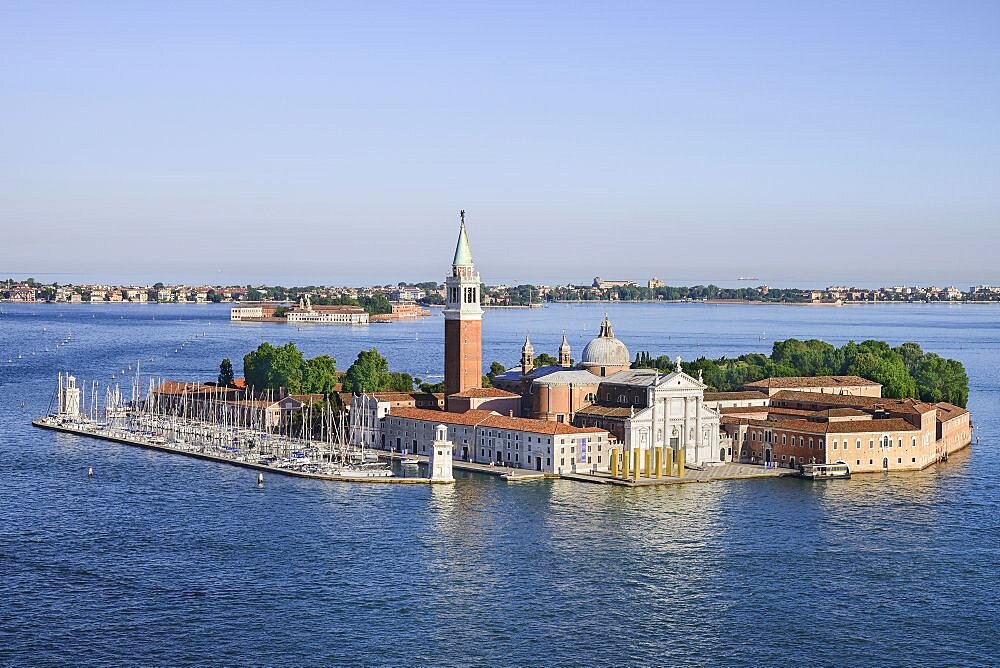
<point>238,313</point>
<point>306,313</point>
<point>601,284</point>
<point>654,283</point>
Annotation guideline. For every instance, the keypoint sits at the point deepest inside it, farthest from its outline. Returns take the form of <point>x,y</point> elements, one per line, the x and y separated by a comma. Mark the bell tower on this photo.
<point>527,357</point>
<point>564,354</point>
<point>463,321</point>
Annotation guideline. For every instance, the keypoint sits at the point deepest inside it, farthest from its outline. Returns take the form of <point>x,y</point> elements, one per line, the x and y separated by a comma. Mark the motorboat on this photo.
<point>838,469</point>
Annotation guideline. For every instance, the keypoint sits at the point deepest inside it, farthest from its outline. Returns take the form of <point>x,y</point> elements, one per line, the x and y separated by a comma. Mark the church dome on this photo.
<point>606,351</point>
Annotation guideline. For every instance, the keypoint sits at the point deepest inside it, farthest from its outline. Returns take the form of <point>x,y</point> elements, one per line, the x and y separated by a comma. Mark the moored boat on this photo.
<point>833,471</point>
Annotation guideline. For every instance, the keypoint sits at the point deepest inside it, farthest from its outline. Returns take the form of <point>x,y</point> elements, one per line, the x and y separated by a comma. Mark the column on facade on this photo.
<point>697,429</point>
<point>686,431</point>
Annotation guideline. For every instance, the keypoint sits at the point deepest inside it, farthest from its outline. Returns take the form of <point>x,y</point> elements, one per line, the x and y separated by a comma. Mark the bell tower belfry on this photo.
<point>564,354</point>
<point>463,316</point>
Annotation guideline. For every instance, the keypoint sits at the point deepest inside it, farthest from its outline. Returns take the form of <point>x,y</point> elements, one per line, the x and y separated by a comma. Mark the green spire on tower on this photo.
<point>463,253</point>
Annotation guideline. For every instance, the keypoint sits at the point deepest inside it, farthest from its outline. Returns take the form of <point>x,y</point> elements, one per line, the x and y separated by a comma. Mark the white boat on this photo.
<point>409,461</point>
<point>838,469</point>
<point>365,471</point>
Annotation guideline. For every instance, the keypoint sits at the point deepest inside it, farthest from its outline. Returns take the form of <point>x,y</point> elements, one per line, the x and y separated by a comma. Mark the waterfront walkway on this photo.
<point>727,471</point>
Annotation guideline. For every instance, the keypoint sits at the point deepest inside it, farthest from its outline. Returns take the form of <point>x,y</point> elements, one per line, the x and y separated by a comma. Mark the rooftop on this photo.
<point>734,396</point>
<point>485,418</point>
<point>837,426</point>
<point>485,393</point>
<point>812,381</point>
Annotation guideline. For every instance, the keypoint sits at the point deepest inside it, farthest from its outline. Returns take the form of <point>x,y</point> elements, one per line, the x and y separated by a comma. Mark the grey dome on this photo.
<point>606,350</point>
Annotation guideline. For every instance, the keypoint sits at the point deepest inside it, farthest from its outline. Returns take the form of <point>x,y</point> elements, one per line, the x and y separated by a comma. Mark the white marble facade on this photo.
<point>676,416</point>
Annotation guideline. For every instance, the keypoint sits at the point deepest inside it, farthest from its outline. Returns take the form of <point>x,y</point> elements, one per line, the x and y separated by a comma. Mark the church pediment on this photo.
<point>678,380</point>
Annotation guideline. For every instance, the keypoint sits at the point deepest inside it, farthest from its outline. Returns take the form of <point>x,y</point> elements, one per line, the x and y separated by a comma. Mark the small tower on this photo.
<point>564,360</point>
<point>440,459</point>
<point>69,396</point>
<point>527,357</point>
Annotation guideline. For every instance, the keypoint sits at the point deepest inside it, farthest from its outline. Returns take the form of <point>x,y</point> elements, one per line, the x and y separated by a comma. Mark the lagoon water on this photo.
<point>164,560</point>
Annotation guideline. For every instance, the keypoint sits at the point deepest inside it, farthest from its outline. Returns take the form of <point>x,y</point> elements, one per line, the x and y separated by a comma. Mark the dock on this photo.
<point>726,471</point>
<point>508,473</point>
<point>69,428</point>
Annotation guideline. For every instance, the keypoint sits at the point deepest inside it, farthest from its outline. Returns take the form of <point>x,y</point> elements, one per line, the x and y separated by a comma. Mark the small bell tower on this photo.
<point>527,357</point>
<point>564,358</point>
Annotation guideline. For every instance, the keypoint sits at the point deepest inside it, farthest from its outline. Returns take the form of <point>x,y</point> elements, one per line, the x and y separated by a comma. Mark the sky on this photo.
<point>804,143</point>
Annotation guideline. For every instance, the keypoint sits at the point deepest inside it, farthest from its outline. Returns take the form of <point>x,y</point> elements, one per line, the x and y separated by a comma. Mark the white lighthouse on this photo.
<point>440,459</point>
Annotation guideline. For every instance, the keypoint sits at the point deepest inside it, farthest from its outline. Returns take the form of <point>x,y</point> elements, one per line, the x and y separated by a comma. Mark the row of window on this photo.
<point>884,442</point>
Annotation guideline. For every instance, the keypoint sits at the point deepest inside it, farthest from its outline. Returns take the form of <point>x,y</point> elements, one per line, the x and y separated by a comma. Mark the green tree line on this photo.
<point>904,371</point>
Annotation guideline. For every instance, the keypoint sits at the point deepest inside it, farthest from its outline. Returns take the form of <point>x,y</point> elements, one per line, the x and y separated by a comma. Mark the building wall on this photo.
<point>463,355</point>
<point>238,313</point>
<point>503,405</point>
<point>955,434</point>
<point>558,403</point>
<point>865,451</point>
<point>519,449</point>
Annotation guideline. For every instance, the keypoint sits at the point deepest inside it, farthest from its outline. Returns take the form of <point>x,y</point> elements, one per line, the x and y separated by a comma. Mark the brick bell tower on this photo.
<point>463,321</point>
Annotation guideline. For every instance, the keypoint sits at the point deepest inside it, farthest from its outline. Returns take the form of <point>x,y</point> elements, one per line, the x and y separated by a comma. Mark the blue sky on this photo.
<point>310,142</point>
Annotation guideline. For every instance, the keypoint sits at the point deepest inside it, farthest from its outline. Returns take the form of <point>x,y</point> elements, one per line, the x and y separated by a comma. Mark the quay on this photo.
<point>728,471</point>
<point>54,425</point>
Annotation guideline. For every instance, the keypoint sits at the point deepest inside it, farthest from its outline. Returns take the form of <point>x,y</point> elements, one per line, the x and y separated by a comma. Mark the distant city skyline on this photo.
<point>802,143</point>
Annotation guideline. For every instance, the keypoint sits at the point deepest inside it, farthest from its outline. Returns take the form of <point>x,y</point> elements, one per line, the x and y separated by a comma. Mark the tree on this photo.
<point>398,381</point>
<point>496,368</point>
<point>369,373</point>
<point>544,359</point>
<point>226,376</point>
<point>280,312</point>
<point>320,375</point>
<point>271,367</point>
<point>431,388</point>
<point>158,285</point>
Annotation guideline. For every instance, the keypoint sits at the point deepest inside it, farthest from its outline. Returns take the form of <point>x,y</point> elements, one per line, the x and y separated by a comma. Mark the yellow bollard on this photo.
<point>680,462</point>
<point>658,463</point>
<point>636,464</point>
<point>614,462</point>
<point>626,460</point>
<point>649,462</point>
<point>668,461</point>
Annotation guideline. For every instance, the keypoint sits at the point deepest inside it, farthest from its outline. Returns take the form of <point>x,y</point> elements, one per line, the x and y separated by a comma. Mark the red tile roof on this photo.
<point>911,406</point>
<point>811,381</point>
<point>734,396</point>
<point>482,418</point>
<point>485,393</point>
<point>948,411</point>
<point>845,427</point>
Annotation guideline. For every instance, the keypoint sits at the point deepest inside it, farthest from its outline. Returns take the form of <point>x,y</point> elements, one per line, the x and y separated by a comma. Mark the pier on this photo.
<point>126,439</point>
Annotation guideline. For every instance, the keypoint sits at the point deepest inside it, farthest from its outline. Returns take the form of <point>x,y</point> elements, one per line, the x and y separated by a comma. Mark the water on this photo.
<point>165,560</point>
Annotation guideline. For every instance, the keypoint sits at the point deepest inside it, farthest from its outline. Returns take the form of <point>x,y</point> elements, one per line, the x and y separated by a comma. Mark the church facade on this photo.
<point>641,408</point>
